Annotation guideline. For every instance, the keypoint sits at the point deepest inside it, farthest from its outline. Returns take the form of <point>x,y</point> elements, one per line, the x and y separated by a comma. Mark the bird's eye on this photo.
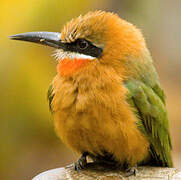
<point>82,44</point>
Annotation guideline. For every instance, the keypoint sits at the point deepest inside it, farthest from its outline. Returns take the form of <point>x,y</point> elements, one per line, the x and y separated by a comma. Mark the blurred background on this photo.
<point>28,144</point>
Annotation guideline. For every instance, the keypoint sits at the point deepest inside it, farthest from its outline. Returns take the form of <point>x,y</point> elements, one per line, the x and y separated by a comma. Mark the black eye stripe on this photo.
<point>90,49</point>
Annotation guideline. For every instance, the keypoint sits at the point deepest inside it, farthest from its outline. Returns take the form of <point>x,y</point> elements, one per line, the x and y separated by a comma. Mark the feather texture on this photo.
<point>153,122</point>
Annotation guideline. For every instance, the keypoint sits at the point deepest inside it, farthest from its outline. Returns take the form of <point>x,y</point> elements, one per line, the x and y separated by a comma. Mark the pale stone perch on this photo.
<point>143,173</point>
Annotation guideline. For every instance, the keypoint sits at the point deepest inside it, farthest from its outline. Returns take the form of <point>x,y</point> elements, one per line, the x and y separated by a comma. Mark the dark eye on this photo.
<point>82,44</point>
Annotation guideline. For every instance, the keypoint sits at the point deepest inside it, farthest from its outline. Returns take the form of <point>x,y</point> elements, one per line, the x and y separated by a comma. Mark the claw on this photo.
<point>130,171</point>
<point>81,163</point>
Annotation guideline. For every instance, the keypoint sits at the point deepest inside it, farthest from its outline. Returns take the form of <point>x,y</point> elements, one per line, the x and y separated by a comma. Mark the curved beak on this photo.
<point>52,39</point>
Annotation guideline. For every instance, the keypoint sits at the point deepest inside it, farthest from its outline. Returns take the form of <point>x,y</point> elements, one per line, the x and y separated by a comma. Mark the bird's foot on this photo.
<point>81,163</point>
<point>130,171</point>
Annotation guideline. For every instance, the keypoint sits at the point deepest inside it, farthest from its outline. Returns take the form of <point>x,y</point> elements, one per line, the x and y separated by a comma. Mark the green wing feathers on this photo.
<point>149,105</point>
<point>50,96</point>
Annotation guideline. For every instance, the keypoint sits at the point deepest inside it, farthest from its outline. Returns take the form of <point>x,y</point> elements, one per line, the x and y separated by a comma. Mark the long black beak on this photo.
<point>52,39</point>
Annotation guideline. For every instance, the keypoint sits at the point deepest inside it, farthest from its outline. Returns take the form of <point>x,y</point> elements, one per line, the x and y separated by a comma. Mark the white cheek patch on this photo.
<point>60,54</point>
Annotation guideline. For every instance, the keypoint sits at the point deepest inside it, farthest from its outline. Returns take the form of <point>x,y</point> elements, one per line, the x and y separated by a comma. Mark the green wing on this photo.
<point>50,96</point>
<point>149,105</point>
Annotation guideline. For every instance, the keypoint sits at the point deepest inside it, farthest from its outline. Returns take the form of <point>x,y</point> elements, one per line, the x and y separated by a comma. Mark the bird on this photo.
<point>106,98</point>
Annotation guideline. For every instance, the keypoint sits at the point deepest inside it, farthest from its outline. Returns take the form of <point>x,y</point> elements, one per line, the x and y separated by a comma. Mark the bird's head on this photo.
<point>98,37</point>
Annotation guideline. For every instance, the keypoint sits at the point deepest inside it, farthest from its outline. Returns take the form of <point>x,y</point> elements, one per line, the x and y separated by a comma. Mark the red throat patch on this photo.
<point>67,66</point>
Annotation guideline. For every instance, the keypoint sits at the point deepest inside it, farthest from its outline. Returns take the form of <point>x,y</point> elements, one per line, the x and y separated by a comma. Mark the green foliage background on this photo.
<point>28,144</point>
